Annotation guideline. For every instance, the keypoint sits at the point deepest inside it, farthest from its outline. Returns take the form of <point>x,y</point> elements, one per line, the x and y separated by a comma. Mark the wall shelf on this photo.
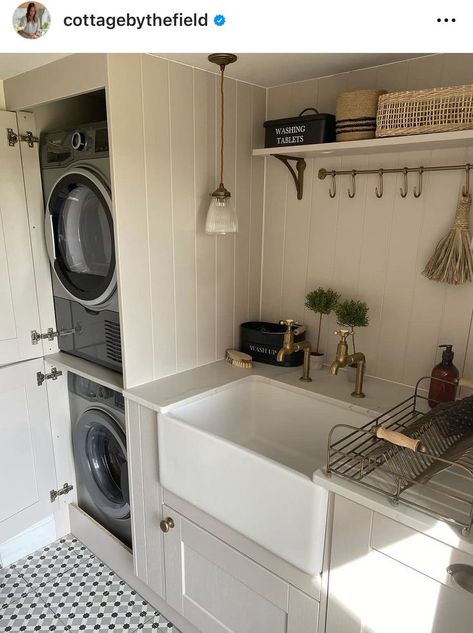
<point>419,142</point>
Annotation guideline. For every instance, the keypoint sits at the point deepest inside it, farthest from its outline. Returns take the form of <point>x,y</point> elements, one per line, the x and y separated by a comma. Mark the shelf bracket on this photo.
<point>300,167</point>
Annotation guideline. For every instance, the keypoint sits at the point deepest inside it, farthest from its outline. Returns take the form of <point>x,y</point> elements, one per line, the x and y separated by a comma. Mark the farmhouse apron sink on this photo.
<point>246,453</point>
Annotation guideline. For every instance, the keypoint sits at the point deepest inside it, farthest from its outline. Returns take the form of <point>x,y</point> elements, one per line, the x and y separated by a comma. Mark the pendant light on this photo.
<point>221,216</point>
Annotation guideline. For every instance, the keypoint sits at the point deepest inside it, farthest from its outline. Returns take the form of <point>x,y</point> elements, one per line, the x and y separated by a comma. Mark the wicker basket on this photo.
<point>356,114</point>
<point>425,111</point>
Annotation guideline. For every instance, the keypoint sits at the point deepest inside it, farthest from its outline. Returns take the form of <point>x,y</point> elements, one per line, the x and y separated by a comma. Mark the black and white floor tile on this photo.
<point>64,587</point>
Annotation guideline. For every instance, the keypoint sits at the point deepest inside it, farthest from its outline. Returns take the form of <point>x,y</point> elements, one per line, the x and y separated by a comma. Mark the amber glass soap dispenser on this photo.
<point>446,370</point>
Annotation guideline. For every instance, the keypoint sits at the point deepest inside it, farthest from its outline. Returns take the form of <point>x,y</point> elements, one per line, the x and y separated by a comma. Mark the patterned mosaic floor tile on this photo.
<point>12,586</point>
<point>64,587</point>
<point>157,624</point>
<point>29,614</point>
<point>92,597</point>
<point>51,561</point>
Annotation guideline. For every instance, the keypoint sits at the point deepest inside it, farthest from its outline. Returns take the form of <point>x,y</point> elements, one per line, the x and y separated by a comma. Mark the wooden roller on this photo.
<point>465,382</point>
<point>399,439</point>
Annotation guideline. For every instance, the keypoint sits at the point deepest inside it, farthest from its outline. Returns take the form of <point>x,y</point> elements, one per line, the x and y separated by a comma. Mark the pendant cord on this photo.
<point>222,121</point>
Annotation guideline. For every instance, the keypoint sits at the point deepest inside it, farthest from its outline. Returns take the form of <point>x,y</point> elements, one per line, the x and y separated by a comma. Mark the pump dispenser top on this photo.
<point>443,387</point>
<point>447,354</point>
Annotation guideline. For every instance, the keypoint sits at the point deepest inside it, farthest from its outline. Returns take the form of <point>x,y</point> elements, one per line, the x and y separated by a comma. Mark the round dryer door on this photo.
<point>100,458</point>
<point>79,236</point>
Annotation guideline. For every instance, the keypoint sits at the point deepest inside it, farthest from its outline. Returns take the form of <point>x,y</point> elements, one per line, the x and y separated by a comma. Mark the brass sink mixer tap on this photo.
<point>289,346</point>
<point>343,359</point>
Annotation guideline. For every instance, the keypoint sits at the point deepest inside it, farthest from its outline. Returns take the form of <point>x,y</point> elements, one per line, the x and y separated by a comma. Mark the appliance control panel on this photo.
<point>94,392</point>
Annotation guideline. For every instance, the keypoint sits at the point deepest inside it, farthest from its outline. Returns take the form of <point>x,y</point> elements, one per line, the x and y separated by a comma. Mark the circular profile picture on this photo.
<point>31,20</point>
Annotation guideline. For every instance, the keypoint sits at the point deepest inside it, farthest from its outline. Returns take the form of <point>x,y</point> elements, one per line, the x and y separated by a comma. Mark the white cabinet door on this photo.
<point>386,578</point>
<point>27,470</point>
<point>146,497</point>
<point>19,308</point>
<point>219,590</point>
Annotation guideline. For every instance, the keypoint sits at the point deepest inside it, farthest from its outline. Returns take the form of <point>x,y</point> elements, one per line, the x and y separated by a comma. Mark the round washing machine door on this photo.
<point>79,236</point>
<point>100,457</point>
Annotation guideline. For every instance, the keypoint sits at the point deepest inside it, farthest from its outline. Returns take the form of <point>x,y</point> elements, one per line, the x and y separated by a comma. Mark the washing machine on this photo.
<point>100,454</point>
<point>79,236</point>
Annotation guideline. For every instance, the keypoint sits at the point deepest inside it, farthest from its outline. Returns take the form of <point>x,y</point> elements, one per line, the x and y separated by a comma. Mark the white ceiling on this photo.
<point>263,69</point>
<point>12,64</point>
<point>274,69</point>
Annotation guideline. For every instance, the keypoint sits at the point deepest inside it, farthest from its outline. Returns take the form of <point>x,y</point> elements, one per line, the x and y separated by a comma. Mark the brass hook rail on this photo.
<point>323,173</point>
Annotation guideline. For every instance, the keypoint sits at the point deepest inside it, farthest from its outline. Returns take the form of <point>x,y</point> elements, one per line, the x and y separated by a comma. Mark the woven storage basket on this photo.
<point>425,111</point>
<point>356,114</point>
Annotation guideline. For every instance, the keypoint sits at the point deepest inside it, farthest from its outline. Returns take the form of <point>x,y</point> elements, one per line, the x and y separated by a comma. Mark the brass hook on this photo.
<point>332,192</point>
<point>352,193</point>
<point>379,192</point>
<point>466,187</point>
<point>418,189</point>
<point>404,188</point>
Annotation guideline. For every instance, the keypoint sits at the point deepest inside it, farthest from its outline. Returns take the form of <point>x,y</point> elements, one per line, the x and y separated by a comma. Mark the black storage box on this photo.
<point>263,341</point>
<point>304,129</point>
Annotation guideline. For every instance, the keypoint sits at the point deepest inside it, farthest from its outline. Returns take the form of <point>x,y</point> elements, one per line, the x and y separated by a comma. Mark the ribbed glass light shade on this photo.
<point>221,216</point>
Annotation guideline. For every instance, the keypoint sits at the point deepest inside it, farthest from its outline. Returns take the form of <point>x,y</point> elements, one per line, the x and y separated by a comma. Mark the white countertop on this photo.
<point>381,395</point>
<point>165,392</point>
<point>404,514</point>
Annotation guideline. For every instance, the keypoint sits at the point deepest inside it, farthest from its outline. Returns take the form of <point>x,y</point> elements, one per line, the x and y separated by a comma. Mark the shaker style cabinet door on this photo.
<point>18,302</point>
<point>27,470</point>
<point>220,590</point>
<point>386,578</point>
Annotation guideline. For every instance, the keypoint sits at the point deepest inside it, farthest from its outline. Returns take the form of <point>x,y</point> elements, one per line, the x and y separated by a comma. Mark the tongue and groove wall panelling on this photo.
<point>205,139</point>
<point>129,185</point>
<point>276,192</point>
<point>226,244</point>
<point>243,203</point>
<point>369,248</point>
<point>159,200</point>
<point>195,287</point>
<point>257,204</point>
<point>248,197</point>
<point>181,101</point>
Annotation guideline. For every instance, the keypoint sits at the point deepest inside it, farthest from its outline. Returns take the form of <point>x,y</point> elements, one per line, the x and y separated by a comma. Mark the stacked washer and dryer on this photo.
<point>80,241</point>
<point>75,169</point>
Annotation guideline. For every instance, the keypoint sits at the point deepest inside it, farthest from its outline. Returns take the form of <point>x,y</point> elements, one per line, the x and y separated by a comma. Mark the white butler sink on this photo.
<point>245,454</point>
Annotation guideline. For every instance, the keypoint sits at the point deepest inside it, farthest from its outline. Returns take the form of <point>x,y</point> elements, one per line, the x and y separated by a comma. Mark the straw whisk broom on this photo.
<point>452,260</point>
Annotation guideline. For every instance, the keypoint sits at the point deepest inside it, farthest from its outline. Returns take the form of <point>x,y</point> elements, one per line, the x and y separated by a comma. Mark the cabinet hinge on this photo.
<point>54,375</point>
<point>50,335</point>
<point>65,490</point>
<point>28,138</point>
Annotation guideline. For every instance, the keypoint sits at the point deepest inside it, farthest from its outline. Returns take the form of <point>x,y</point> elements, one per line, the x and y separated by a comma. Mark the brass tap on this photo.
<point>343,359</point>
<point>289,347</point>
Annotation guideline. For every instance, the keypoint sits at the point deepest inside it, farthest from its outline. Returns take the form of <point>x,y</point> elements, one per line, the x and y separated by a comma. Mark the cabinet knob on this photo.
<point>462,575</point>
<point>167,524</point>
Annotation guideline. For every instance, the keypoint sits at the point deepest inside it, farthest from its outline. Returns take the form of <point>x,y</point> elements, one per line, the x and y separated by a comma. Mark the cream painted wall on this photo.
<point>368,248</point>
<point>183,293</point>
<point>2,96</point>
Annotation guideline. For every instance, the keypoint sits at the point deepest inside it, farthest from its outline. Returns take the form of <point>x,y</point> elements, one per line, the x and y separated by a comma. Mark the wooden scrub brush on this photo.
<point>452,260</point>
<point>239,359</point>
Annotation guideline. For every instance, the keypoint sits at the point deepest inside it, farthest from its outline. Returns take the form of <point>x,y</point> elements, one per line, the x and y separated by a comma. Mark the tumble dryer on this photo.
<point>80,241</point>
<point>100,454</point>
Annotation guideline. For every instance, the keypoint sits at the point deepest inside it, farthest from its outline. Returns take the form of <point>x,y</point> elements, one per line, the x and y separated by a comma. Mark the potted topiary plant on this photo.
<point>351,314</point>
<point>321,301</point>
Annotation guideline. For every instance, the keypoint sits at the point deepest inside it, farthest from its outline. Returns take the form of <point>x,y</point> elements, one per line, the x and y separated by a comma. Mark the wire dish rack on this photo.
<point>429,467</point>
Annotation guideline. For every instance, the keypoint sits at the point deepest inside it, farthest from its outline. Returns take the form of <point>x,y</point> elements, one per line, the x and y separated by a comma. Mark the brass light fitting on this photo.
<point>221,216</point>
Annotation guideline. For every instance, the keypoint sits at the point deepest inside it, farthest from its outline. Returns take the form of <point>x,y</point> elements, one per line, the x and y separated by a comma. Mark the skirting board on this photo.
<point>28,541</point>
<point>118,557</point>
